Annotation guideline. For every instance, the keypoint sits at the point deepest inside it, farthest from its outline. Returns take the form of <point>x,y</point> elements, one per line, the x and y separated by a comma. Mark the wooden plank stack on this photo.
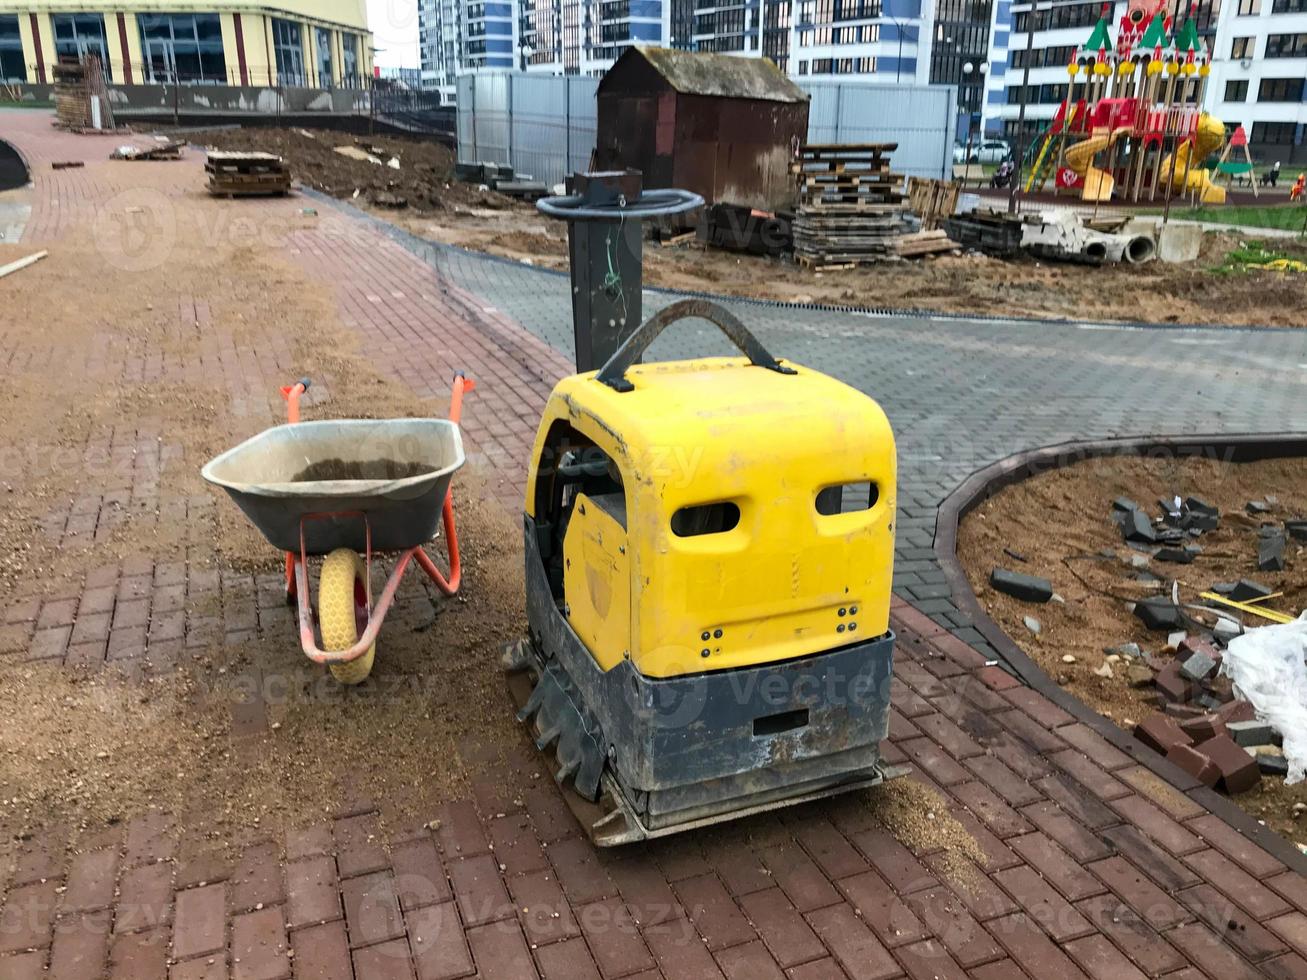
<point>76,85</point>
<point>72,96</point>
<point>233,174</point>
<point>922,243</point>
<point>851,208</point>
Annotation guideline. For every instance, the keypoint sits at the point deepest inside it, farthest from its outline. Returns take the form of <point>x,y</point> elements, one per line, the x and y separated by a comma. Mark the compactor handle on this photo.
<point>613,373</point>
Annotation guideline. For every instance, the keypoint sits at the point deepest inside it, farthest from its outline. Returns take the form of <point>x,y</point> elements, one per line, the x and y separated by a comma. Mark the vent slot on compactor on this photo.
<point>785,721</point>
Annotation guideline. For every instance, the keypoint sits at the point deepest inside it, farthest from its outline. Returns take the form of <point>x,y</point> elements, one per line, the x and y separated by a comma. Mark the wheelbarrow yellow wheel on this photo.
<point>343,611</point>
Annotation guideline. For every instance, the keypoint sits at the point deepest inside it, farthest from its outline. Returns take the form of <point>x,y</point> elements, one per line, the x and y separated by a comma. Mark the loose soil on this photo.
<point>372,469</point>
<point>1059,522</point>
<point>423,180</point>
<point>120,383</point>
<point>969,283</point>
<point>439,208</point>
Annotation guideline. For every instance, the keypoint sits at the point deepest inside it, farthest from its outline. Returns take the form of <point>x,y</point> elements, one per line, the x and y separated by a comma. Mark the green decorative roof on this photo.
<point>1099,40</point>
<point>1188,39</point>
<point>1155,36</point>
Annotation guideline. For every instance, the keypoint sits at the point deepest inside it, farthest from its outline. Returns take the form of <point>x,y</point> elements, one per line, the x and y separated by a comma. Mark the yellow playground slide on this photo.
<point>1080,160</point>
<point>1187,176</point>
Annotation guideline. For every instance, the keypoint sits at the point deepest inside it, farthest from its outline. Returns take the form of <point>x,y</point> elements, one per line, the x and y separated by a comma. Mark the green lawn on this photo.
<point>1285,217</point>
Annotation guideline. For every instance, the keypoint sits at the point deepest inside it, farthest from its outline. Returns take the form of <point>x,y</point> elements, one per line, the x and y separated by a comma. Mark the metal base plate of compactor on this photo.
<point>595,794</point>
<point>643,757</point>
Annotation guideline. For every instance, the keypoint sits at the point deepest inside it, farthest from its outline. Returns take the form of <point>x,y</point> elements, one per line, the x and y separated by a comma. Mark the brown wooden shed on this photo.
<point>722,126</point>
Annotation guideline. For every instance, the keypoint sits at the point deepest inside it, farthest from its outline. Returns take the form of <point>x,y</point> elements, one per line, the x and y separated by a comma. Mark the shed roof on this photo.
<point>724,75</point>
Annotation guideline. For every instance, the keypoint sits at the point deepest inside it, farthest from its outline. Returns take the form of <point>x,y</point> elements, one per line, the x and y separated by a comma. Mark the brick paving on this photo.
<point>1089,865</point>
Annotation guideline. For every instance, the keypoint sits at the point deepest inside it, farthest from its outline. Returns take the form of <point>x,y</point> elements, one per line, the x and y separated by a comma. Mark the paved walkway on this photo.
<point>1089,864</point>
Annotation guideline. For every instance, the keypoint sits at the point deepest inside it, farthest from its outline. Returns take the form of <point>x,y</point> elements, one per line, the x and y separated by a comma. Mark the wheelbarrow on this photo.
<point>346,489</point>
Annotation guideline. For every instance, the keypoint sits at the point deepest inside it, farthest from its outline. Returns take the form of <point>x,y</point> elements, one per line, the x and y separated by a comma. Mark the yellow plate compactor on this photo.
<point>709,546</point>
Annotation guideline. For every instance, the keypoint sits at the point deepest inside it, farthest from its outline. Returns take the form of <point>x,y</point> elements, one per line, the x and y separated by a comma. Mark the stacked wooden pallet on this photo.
<point>850,208</point>
<point>233,174</point>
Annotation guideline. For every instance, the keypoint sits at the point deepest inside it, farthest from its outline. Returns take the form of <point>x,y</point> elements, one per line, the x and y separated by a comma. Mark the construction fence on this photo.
<point>544,125</point>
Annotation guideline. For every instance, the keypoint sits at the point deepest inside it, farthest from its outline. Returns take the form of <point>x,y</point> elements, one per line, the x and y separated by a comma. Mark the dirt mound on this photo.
<point>423,179</point>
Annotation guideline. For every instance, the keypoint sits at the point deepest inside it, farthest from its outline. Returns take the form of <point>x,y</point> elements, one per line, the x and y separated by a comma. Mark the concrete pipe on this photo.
<point>1140,249</point>
<point>1096,249</point>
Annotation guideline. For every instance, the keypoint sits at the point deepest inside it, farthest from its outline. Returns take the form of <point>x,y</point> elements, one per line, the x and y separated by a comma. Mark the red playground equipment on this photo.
<point>1131,124</point>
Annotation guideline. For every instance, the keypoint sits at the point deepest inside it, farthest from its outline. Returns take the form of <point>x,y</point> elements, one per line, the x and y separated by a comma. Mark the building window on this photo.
<point>185,47</point>
<point>1249,8</point>
<point>1280,90</point>
<point>1289,6</point>
<point>349,68</point>
<point>1278,133</point>
<point>1236,91</point>
<point>77,35</point>
<point>325,78</point>
<point>1286,46</point>
<point>288,42</point>
<point>1058,17</point>
<point>1242,47</point>
<point>12,66</point>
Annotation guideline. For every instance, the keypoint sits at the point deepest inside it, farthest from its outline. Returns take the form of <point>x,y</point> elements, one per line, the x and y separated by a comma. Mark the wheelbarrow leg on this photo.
<point>291,395</point>
<point>290,579</point>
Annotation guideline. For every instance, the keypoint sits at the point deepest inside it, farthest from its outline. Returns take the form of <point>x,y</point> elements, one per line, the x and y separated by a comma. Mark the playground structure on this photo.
<point>1131,126</point>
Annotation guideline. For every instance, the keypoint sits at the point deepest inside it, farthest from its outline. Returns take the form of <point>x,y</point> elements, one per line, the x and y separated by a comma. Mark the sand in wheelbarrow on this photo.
<point>367,469</point>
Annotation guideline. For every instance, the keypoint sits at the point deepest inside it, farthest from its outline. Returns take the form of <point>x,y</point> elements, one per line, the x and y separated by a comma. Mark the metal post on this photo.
<point>607,269</point>
<point>1020,160</point>
<point>512,116</point>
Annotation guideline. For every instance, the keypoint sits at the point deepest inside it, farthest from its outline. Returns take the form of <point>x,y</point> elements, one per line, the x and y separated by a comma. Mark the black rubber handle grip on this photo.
<point>613,373</point>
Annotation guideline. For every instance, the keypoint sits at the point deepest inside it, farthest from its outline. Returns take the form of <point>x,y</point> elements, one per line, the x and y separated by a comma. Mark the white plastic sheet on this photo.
<point>1268,666</point>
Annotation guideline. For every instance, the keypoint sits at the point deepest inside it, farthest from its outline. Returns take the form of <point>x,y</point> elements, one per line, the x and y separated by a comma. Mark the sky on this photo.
<point>394,26</point>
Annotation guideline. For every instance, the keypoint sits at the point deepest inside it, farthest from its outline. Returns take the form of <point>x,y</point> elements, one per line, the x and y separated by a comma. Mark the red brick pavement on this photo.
<point>1090,866</point>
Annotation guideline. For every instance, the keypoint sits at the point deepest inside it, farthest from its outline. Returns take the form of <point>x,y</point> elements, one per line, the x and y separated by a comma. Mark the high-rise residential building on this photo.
<point>460,36</point>
<point>887,41</point>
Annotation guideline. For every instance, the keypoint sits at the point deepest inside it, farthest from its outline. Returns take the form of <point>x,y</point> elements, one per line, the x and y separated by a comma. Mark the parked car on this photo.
<point>985,151</point>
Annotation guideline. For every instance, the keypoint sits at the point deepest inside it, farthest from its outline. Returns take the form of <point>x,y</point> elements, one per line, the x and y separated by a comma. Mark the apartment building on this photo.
<point>1258,75</point>
<point>459,36</point>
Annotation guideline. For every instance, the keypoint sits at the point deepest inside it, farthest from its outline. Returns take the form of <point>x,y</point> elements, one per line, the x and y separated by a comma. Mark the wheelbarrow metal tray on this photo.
<point>395,471</point>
